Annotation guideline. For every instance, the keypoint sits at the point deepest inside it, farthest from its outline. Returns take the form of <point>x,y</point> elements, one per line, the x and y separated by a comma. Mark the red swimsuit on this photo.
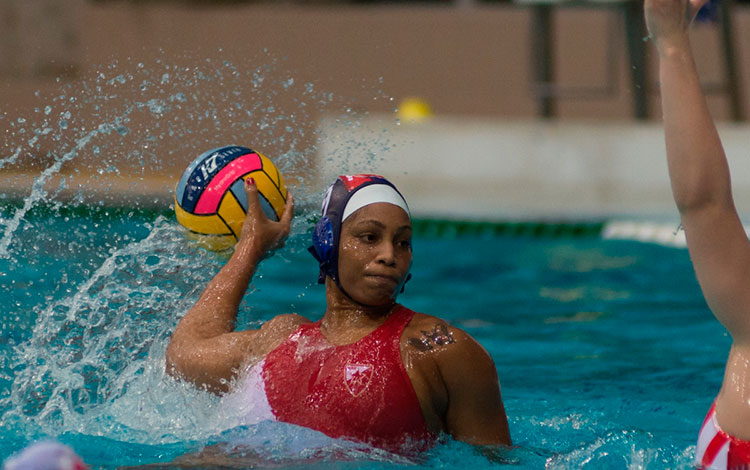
<point>358,391</point>
<point>718,450</point>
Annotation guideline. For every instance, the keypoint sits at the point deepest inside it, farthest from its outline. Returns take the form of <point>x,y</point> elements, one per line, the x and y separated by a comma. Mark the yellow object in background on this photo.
<point>414,110</point>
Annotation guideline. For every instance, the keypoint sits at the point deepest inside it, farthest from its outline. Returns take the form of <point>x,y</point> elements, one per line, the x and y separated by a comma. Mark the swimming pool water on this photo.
<point>607,354</point>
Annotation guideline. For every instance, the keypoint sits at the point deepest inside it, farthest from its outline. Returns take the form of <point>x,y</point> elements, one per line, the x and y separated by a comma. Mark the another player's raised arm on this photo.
<point>699,171</point>
<point>204,348</point>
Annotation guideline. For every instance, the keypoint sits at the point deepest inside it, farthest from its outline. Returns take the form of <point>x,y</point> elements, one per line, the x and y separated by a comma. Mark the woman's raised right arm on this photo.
<point>204,348</point>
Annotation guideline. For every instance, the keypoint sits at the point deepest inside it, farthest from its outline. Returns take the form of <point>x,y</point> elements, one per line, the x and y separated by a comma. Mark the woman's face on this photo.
<point>375,253</point>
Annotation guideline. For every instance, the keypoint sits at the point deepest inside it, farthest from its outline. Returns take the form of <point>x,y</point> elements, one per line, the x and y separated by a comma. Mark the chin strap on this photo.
<point>403,286</point>
<point>322,273</point>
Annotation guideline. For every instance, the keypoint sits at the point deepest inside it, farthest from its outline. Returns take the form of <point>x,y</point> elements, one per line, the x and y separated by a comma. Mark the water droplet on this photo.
<point>155,106</point>
<point>118,79</point>
<point>47,110</point>
<point>165,78</point>
<point>122,130</point>
<point>109,169</point>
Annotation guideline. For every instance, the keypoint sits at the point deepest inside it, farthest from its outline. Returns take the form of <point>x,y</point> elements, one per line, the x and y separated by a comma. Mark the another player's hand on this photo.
<point>262,234</point>
<point>667,19</point>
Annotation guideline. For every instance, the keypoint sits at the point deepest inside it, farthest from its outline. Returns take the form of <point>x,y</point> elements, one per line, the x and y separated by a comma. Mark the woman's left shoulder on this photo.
<point>431,333</point>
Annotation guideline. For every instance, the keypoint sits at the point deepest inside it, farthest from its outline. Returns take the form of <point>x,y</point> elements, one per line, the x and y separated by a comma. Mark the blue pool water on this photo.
<point>607,354</point>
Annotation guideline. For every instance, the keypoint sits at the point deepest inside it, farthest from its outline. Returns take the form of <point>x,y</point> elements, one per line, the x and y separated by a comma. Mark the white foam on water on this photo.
<point>105,342</point>
<point>648,232</point>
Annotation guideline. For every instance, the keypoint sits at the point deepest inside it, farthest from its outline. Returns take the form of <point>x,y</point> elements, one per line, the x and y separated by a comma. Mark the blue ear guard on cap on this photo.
<point>327,231</point>
<point>322,248</point>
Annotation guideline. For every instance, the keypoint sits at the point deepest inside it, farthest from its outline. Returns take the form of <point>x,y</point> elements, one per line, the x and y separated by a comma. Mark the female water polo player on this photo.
<point>370,370</point>
<point>716,240</point>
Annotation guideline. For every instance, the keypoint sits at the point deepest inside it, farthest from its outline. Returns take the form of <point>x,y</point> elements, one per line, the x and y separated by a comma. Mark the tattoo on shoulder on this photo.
<point>429,340</point>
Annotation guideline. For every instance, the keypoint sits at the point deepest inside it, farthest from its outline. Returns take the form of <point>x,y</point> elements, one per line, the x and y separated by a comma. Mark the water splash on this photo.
<point>88,349</point>
<point>12,158</point>
<point>38,192</point>
<point>627,449</point>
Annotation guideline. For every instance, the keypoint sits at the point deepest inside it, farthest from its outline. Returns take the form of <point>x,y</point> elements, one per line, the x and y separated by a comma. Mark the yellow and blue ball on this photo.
<point>210,198</point>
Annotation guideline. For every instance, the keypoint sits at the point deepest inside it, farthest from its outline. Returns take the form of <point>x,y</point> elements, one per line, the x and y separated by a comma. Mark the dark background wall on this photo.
<point>469,60</point>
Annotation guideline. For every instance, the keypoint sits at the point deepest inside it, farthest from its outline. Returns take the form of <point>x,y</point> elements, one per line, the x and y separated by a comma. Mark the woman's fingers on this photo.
<point>286,221</point>
<point>251,190</point>
<point>269,235</point>
<point>286,216</point>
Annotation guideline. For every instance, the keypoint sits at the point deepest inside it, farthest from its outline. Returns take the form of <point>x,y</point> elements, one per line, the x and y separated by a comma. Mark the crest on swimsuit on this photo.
<point>357,378</point>
<point>343,198</point>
